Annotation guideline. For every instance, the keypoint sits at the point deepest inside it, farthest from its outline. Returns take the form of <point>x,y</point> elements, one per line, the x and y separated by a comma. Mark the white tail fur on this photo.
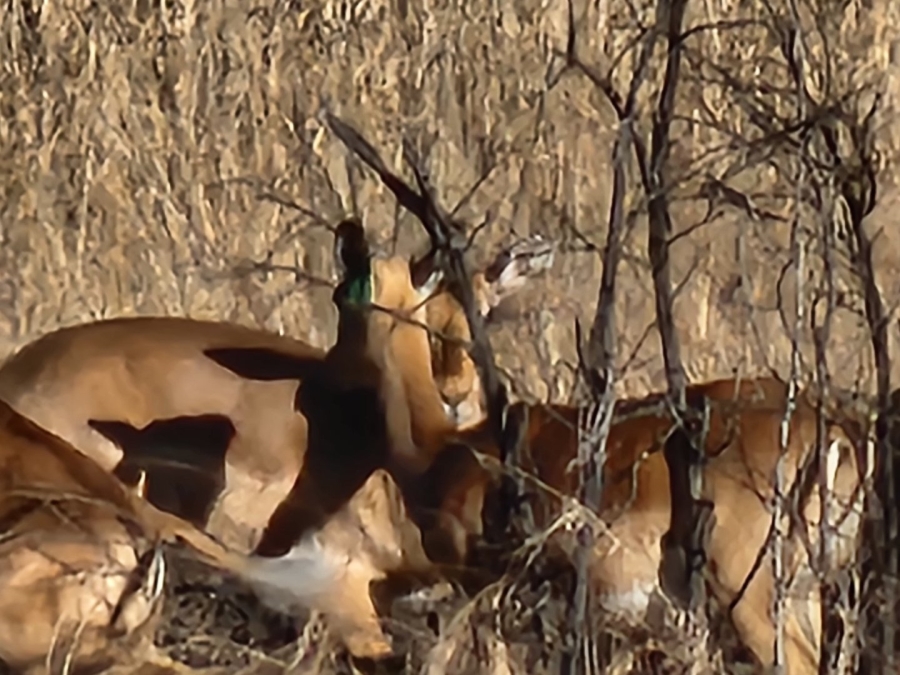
<point>323,578</point>
<point>305,576</point>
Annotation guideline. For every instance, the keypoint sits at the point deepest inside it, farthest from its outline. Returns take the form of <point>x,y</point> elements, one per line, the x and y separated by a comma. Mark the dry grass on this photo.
<point>151,153</point>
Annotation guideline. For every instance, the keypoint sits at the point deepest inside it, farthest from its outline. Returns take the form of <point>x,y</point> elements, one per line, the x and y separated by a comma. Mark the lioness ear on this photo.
<point>426,275</point>
<point>351,249</point>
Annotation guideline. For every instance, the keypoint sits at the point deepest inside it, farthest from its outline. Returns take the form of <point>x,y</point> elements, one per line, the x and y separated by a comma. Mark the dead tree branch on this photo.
<point>449,244</point>
<point>690,517</point>
<point>857,189</point>
<point>794,53</point>
<point>598,368</point>
<point>683,544</point>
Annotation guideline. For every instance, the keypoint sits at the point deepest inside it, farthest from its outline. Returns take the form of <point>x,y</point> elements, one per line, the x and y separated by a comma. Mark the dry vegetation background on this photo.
<point>151,153</point>
<point>157,155</point>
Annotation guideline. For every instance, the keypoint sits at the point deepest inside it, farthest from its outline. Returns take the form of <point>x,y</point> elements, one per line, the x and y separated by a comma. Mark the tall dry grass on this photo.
<point>152,153</point>
<point>158,157</point>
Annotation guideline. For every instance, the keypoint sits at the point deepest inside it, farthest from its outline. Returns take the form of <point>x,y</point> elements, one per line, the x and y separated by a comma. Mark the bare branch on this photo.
<point>449,245</point>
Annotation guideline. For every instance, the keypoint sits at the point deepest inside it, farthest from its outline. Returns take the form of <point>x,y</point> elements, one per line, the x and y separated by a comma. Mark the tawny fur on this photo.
<point>137,370</point>
<point>455,373</point>
<point>305,519</point>
<point>140,370</point>
<point>73,536</point>
<point>744,444</point>
<point>74,594</point>
<point>371,537</point>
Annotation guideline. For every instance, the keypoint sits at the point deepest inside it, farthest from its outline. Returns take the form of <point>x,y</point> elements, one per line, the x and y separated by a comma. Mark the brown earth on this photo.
<point>151,153</point>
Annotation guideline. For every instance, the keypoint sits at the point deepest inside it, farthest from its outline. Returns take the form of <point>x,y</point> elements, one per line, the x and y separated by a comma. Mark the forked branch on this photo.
<point>691,517</point>
<point>449,246</point>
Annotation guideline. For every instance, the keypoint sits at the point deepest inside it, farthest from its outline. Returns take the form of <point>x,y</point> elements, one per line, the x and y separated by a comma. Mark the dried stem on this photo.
<point>794,53</point>
<point>798,254</point>
<point>683,543</point>
<point>858,191</point>
<point>690,518</point>
<point>449,243</point>
<point>598,368</point>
